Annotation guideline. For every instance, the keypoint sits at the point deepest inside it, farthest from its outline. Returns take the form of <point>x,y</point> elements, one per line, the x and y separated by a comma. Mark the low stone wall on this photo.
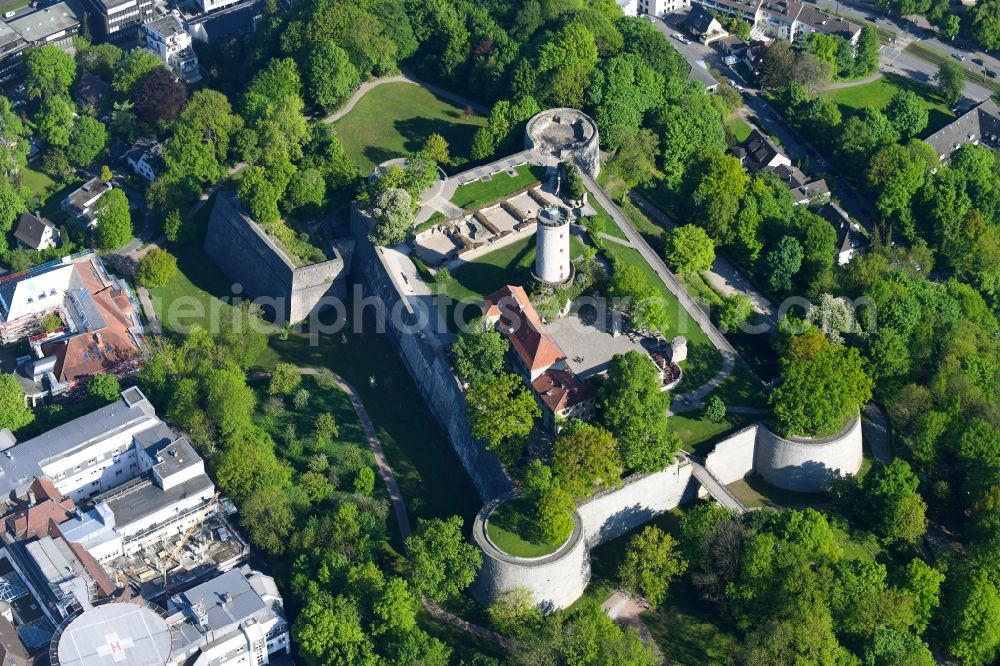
<point>640,498</point>
<point>733,458</point>
<point>555,580</point>
<point>249,257</point>
<point>428,365</point>
<point>808,465</point>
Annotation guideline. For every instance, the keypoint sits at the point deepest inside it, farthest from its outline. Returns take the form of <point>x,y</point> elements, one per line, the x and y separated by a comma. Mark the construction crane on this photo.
<point>184,539</point>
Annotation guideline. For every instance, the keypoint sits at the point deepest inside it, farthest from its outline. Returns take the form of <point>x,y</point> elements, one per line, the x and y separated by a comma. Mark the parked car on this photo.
<point>678,36</point>
<point>740,89</point>
<point>977,61</point>
<point>992,73</point>
<point>958,56</point>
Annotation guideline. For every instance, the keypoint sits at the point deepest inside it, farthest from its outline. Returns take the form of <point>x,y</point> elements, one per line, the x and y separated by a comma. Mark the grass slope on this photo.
<point>395,119</point>
<point>877,94</point>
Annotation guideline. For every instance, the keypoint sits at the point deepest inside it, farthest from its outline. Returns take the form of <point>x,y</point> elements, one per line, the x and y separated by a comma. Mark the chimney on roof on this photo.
<point>31,497</point>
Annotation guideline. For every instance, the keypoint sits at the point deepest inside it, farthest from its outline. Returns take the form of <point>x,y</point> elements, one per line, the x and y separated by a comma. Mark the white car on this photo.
<point>678,36</point>
<point>685,40</point>
<point>740,89</point>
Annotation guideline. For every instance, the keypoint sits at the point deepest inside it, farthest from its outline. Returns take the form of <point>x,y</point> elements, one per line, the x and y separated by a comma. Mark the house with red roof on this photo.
<point>538,357</point>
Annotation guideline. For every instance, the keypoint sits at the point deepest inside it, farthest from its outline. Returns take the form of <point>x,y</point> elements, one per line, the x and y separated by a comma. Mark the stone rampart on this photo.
<point>427,364</point>
<point>555,580</point>
<point>640,498</point>
<point>565,134</point>
<point>808,465</point>
<point>733,458</point>
<point>249,257</point>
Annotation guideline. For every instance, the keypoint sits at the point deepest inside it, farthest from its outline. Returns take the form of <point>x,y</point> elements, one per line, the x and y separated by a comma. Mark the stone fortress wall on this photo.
<point>249,257</point>
<point>556,580</point>
<point>427,364</point>
<point>793,464</point>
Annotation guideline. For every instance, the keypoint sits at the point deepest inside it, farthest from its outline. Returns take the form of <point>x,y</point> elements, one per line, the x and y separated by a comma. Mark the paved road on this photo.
<point>907,32</point>
<point>653,259</point>
<point>725,277</point>
<point>876,432</point>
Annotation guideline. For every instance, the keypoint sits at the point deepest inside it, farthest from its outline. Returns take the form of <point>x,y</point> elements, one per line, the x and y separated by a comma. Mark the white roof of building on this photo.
<point>19,464</point>
<point>123,634</point>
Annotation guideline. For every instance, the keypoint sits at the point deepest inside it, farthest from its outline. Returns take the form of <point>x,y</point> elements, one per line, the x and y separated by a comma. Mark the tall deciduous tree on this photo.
<point>479,352</point>
<point>690,250</point>
<point>635,411</point>
<point>585,459</point>
<point>950,81</point>
<point>907,114</point>
<point>652,560</point>
<point>50,72</point>
<point>14,412</point>
<point>330,75</point>
<point>823,386</point>
<point>442,562</point>
<point>159,96</point>
<point>87,140</point>
<point>393,215</point>
<point>134,66</point>
<point>114,222</point>
<point>55,121</point>
<point>502,412</point>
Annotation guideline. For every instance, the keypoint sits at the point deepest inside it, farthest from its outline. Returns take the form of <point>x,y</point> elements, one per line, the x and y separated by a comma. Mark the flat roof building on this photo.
<point>119,20</point>
<point>55,24</point>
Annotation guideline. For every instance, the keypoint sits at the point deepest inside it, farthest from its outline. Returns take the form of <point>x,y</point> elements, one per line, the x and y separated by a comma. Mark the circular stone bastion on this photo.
<point>556,580</point>
<point>565,134</point>
<point>805,465</point>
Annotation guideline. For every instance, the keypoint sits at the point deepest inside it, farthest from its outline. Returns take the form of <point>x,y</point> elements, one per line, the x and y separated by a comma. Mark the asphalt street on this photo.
<point>759,113</point>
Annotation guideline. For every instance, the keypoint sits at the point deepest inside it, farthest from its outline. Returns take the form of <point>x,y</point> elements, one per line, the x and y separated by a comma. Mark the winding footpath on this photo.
<point>399,508</point>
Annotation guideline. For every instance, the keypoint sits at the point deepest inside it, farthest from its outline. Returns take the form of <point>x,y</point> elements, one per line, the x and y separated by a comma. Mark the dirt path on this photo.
<point>365,87</point>
<point>399,508</point>
<point>625,609</point>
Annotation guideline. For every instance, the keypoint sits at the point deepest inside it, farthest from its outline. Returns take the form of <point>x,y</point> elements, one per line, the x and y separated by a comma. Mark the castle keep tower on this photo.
<point>552,261</point>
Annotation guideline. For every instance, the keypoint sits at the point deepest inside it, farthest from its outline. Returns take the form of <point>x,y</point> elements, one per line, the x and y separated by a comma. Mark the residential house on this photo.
<point>759,153</point>
<point>98,327</point>
<point>145,157</point>
<point>980,125</point>
<point>702,23</point>
<point>81,202</point>
<point>699,72</point>
<point>53,25</point>
<point>34,232</point>
<point>538,357</point>
<point>785,19</point>
<point>119,20</point>
<point>662,7</point>
<point>629,7</point>
<point>169,39</point>
<point>90,90</point>
<point>850,240</point>
<point>233,21</point>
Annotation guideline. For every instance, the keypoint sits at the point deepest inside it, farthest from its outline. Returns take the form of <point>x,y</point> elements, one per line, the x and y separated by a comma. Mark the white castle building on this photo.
<point>553,263</point>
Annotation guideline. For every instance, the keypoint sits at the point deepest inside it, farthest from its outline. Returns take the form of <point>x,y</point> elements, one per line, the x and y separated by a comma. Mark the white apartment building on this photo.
<point>661,7</point>
<point>168,38</point>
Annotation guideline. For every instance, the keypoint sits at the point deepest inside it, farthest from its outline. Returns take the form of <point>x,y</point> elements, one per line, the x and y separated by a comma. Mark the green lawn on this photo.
<point>395,119</point>
<point>38,183</point>
<point>514,529</point>
<point>739,128</point>
<point>607,223</point>
<point>508,265</point>
<point>877,94</point>
<point>704,360</point>
<point>478,194</point>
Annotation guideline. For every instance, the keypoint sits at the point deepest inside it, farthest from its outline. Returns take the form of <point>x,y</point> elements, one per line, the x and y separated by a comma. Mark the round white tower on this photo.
<point>552,261</point>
